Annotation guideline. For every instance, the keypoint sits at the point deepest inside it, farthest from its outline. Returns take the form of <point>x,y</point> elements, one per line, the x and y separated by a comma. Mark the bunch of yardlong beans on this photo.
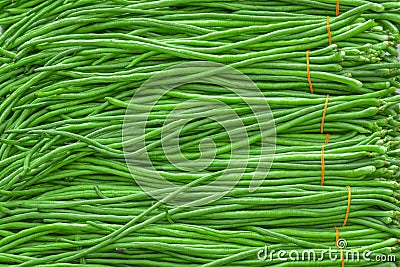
<point>70,68</point>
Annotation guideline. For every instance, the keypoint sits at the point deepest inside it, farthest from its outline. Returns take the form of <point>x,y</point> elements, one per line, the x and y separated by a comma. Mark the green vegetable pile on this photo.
<point>69,70</point>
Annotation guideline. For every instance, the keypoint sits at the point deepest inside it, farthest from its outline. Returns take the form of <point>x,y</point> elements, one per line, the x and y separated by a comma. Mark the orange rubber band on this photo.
<point>337,7</point>
<point>309,71</point>
<point>337,236</point>
<point>324,114</point>
<point>323,159</point>
<point>348,206</point>
<point>328,26</point>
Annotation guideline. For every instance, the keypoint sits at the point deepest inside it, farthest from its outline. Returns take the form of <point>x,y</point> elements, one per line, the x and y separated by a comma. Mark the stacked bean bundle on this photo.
<point>70,68</point>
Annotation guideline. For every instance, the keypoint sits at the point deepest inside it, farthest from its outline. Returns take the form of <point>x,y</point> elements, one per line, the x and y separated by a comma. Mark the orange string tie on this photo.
<point>324,114</point>
<point>348,205</point>
<point>337,245</point>
<point>328,26</point>
<point>322,166</point>
<point>327,139</point>
<point>342,254</point>
<point>337,236</point>
<point>309,71</point>
<point>337,7</point>
<point>323,159</point>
